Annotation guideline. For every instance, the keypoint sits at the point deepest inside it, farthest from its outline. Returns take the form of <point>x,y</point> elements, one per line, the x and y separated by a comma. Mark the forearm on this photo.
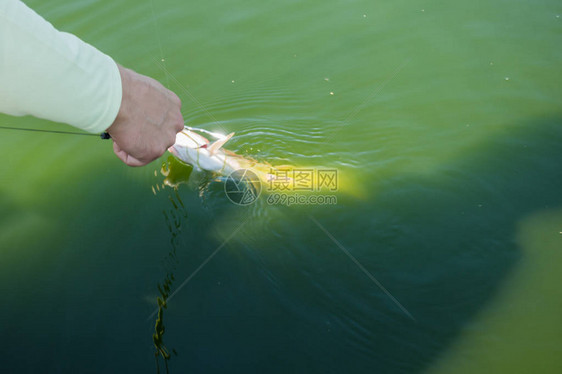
<point>54,75</point>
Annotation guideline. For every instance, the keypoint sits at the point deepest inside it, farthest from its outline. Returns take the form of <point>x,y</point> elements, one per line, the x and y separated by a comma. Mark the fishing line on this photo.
<point>104,135</point>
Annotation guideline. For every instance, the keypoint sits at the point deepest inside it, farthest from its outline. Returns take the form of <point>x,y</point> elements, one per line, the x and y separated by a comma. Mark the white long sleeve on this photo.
<point>54,75</point>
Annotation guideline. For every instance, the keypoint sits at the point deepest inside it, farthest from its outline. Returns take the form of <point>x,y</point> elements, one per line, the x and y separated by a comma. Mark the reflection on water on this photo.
<point>174,217</point>
<point>175,172</point>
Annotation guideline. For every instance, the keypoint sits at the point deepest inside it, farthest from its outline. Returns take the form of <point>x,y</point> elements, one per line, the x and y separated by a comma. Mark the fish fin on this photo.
<point>213,148</point>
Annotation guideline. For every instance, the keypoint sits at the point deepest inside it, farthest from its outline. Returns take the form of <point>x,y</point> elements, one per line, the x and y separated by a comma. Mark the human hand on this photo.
<point>148,120</point>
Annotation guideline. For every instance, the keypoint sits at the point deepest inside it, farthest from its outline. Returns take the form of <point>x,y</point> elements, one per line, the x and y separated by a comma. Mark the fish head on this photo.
<point>187,141</point>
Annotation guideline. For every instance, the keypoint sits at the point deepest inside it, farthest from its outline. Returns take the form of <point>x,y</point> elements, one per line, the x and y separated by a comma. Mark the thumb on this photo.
<point>125,157</point>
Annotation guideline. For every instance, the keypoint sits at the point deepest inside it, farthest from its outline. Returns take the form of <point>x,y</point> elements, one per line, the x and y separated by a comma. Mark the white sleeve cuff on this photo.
<point>54,75</point>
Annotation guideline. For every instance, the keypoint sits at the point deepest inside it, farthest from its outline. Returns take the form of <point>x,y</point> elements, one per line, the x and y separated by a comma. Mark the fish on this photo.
<point>193,148</point>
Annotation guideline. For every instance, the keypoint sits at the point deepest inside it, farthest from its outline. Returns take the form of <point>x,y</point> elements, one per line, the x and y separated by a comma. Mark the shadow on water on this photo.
<point>441,242</point>
<point>444,243</point>
<point>493,187</point>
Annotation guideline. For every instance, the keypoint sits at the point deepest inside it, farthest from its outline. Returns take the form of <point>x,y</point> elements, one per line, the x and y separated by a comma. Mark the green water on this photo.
<point>444,123</point>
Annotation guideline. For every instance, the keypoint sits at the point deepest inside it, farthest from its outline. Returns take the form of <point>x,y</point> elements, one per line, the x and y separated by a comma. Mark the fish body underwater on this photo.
<point>193,148</point>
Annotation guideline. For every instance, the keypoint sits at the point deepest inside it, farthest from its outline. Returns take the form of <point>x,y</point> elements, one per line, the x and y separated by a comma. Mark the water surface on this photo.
<point>442,119</point>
